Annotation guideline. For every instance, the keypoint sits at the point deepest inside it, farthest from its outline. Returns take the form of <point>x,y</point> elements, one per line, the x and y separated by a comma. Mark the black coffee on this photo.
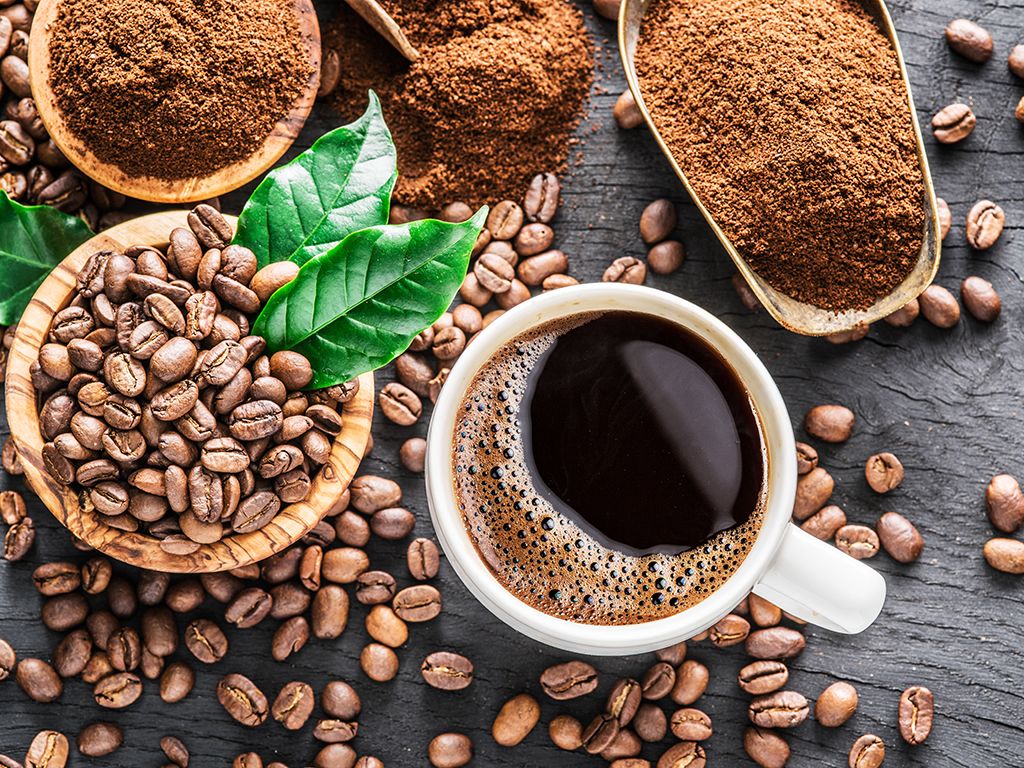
<point>610,467</point>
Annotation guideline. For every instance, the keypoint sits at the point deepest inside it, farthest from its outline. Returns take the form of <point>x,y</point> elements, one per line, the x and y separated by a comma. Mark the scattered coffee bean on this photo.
<point>515,720</point>
<point>8,659</point>
<point>124,649</point>
<point>176,752</point>
<point>691,681</point>
<point>19,540</point>
<point>242,699</point>
<point>824,523</point>
<point>763,677</point>
<point>673,654</point>
<point>344,565</point>
<point>831,423</point>
<point>385,627</point>
<point>953,123</point>
<point>541,200</point>
<point>289,638</point>
<point>883,472</point>
<point>812,491</point>
<point>340,700</point>
<point>650,723</point>
<point>379,662</point>
<point>685,754</point>
<point>657,221</point>
<point>691,725</point>
<point>57,578</point>
<point>418,603</point>
<point>505,220</point>
<point>293,705</point>
<point>658,681</point>
<point>537,269</point>
<point>566,732</point>
<point>335,731</point>
<point>984,224</point>
<point>63,612</point>
<point>330,612</point>
<point>413,453</point>
<point>899,537</point>
<point>99,739</point>
<point>600,734</point>
<point>206,641</point>
<point>1005,555</point>
<point>765,747</point>
<point>939,307</point>
<point>867,752</point>
<point>447,671</point>
<point>763,612</point>
<point>176,681</point>
<point>626,112</point>
<point>1005,503</point>
<point>370,493</point>
<point>12,507</point>
<point>666,257</point>
<point>569,680</point>
<point>73,653</point>
<point>917,707</point>
<point>775,643</point>
<point>331,756</point>
<point>400,404</point>
<point>623,701</point>
<point>39,680</point>
<point>836,704</point>
<point>49,749</point>
<point>117,690</point>
<point>625,269</point>
<point>981,299</point>
<point>858,541</point>
<point>392,524</point>
<point>781,709</point>
<point>450,750</point>
<point>970,41</point>
<point>905,316</point>
<point>730,630</point>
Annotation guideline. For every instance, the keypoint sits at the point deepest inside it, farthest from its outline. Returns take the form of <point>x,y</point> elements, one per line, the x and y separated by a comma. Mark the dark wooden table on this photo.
<point>946,402</point>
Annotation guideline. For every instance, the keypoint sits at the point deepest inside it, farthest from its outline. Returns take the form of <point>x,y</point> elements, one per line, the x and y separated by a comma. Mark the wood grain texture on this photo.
<point>153,189</point>
<point>290,524</point>
<point>947,403</point>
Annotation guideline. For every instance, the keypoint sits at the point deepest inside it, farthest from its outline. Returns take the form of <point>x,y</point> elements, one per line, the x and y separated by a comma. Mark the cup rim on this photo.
<point>626,638</point>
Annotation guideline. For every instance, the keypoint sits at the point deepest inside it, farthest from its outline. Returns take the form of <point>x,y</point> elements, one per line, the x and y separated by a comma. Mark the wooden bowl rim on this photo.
<point>150,188</point>
<point>290,524</point>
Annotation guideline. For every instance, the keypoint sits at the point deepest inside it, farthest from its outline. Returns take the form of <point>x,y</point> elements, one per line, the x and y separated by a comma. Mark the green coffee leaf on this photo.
<point>33,240</point>
<point>339,185</point>
<point>360,305</point>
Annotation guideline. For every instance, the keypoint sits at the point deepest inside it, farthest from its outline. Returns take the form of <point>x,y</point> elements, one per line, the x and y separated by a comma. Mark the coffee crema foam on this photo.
<point>543,558</point>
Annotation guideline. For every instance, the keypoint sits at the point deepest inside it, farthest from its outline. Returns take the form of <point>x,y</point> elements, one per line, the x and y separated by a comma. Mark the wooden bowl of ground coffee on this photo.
<point>172,101</point>
<point>793,128</point>
<point>328,494</point>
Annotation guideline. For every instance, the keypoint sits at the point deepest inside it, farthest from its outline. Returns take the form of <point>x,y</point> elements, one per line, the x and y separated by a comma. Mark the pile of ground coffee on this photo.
<point>491,102</point>
<point>790,120</point>
<point>175,88</point>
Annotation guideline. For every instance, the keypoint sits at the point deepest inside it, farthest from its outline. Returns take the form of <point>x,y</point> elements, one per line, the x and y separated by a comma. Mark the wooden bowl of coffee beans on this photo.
<point>151,423</point>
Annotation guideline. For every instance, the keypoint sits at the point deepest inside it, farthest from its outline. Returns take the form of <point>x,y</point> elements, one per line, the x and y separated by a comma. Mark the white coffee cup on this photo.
<point>802,575</point>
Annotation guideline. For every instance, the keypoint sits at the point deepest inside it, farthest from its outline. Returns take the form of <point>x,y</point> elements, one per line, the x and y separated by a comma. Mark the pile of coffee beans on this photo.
<point>156,398</point>
<point>33,170</point>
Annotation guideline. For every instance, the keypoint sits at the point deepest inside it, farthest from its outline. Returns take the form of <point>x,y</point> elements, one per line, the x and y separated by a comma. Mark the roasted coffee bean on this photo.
<point>883,472</point>
<point>8,659</point>
<point>650,723</point>
<point>325,419</point>
<point>185,596</point>
<point>625,269</point>
<point>344,565</point>
<point>330,612</point>
<point>867,752</point>
<point>775,643</point>
<point>56,578</point>
<point>899,537</point>
<point>551,283</point>
<point>685,754</point>
<point>221,586</point>
<point>64,612</point>
<point>1005,503</point>
<point>273,276</point>
<point>624,748</point>
<point>691,681</point>
<point>542,198</point>
<point>242,699</point>
<point>392,524</point>
<point>210,228</point>
<point>765,747</point>
<point>85,355</point>
<point>673,654</point>
<point>515,720</point>
<point>16,146</point>
<point>1005,555</point>
<point>658,681</point>
<point>99,739</point>
<point>566,732</point>
<point>831,423</point>
<point>371,493</point>
<point>858,541</point>
<point>335,731</point>
<point>340,700</point>
<point>413,453</point>
<point>176,752</point>
<point>309,566</point>
<point>450,750</point>
<point>12,507</point>
<point>981,299</point>
<point>152,588</point>
<point>289,638</point>
<point>657,221</point>
<point>200,313</point>
<point>470,292</point>
<point>72,653</point>
<point>159,631</point>
<point>378,662</point>
<point>352,529</point>
<point>493,273</point>
<point>917,707</point>
<point>206,641</point>
<point>812,491</point>
<point>970,41</point>
<point>124,649</point>
<point>825,522</point>
<point>730,630</point>
<point>152,666</point>
<point>249,760</point>
<point>505,220</point>
<point>117,690</point>
<point>255,512</point>
<point>282,566</point>
<point>375,587</point>
<point>984,225</point>
<point>49,749</point>
<point>58,467</point>
<point>447,671</point>
<point>836,704</point>
<point>781,709</point>
<point>291,368</point>
<point>953,123</point>
<point>449,343</point>
<point>423,559</point>
<point>290,599</point>
<point>414,371</point>
<point>569,680</point>
<point>763,612</point>
<point>255,419</point>
<point>599,734</point>
<point>400,404</point>
<point>939,307</point>
<point>533,239</point>
<point>293,705</point>
<point>385,627</point>
<point>125,374</point>
<point>666,257</point>
<point>184,253</point>
<point>627,113</point>
<point>176,681</point>
<point>418,603</point>
<point>536,269</point>
<point>39,680</point>
<point>248,608</point>
<point>763,677</point>
<point>19,540</point>
<point>121,597</point>
<point>623,701</point>
<point>691,725</point>
<point>224,455</point>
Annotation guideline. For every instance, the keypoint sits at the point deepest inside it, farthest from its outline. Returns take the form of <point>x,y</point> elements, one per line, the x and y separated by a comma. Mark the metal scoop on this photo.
<point>796,315</point>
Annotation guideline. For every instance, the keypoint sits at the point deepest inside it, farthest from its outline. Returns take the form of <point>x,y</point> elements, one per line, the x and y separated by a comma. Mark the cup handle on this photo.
<point>821,585</point>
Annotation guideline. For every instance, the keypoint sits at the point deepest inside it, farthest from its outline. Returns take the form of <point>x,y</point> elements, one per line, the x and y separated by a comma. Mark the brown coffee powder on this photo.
<point>175,88</point>
<point>491,102</point>
<point>789,118</point>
